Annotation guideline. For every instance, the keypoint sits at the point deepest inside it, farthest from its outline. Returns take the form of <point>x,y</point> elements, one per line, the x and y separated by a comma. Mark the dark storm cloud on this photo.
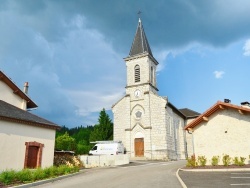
<point>174,22</point>
<point>71,50</point>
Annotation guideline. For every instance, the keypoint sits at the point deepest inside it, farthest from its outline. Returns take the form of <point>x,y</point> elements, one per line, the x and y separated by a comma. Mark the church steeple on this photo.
<point>140,44</point>
<point>141,65</point>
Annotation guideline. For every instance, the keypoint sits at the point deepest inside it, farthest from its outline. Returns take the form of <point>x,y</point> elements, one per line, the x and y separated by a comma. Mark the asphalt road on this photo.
<point>232,179</point>
<point>138,174</point>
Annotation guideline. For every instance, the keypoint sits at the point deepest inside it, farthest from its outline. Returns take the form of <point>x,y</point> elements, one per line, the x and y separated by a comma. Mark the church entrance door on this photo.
<point>139,147</point>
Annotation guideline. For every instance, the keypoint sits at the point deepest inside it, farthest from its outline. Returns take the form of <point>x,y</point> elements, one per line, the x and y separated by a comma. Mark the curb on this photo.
<point>180,180</point>
<point>215,170</point>
<point>47,180</point>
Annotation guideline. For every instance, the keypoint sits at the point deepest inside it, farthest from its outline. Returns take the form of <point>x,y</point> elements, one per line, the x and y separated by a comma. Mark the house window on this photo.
<point>137,73</point>
<point>33,155</point>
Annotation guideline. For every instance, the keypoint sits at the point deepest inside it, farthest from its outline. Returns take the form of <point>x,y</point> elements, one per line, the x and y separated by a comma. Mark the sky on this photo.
<point>71,52</point>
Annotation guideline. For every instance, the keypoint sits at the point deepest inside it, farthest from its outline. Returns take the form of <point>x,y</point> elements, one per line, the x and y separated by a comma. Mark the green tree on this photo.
<point>103,130</point>
<point>65,142</point>
<point>82,148</point>
<point>83,134</point>
<point>62,131</point>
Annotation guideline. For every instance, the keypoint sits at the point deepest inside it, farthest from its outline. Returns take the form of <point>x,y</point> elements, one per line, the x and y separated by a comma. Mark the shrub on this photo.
<point>61,169</point>
<point>24,175</point>
<point>50,172</point>
<point>38,174</point>
<point>239,161</point>
<point>226,160</point>
<point>202,160</point>
<point>27,175</point>
<point>68,169</point>
<point>191,162</point>
<point>215,160</point>
<point>236,160</point>
<point>242,161</point>
<point>7,177</point>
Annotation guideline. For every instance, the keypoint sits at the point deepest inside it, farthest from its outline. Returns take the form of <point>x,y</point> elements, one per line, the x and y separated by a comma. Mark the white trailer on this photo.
<point>107,148</point>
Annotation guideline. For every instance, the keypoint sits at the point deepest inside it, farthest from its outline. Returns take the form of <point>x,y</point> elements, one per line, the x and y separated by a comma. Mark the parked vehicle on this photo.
<point>107,148</point>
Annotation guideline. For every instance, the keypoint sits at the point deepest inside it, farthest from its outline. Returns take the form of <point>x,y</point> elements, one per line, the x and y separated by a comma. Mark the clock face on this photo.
<point>137,93</point>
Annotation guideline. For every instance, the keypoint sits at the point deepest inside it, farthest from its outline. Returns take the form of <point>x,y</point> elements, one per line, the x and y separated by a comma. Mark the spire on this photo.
<point>140,44</point>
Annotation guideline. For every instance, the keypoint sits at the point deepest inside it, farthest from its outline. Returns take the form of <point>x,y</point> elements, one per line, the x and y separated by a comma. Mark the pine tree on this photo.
<point>104,129</point>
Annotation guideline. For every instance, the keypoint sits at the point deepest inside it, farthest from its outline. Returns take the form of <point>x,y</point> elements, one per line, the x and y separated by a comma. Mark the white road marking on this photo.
<point>241,173</point>
<point>240,184</point>
<point>243,177</point>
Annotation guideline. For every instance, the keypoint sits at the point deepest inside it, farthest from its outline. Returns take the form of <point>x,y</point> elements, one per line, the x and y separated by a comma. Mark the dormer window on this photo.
<point>137,73</point>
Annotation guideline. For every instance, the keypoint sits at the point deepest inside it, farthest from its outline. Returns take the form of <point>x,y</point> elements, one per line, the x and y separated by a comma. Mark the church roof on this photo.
<point>186,113</point>
<point>140,44</point>
<point>9,112</point>
<point>189,113</point>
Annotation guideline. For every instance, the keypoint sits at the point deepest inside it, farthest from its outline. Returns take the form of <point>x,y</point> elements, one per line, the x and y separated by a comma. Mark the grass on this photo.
<point>11,177</point>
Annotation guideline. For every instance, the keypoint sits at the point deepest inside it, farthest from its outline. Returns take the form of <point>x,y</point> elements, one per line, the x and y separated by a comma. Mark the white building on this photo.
<point>148,124</point>
<point>26,140</point>
<point>221,130</point>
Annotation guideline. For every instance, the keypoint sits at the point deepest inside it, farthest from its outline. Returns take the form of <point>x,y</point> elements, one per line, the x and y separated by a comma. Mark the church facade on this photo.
<point>149,126</point>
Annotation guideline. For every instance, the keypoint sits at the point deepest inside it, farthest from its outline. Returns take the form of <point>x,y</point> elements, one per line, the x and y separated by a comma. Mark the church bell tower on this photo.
<point>141,66</point>
<point>139,114</point>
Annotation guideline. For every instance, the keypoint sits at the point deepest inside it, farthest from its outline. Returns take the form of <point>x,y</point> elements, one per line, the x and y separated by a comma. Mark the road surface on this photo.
<point>146,174</point>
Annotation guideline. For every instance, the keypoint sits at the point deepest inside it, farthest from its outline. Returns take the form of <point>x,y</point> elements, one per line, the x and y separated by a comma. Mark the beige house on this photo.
<point>26,140</point>
<point>222,129</point>
<point>149,125</point>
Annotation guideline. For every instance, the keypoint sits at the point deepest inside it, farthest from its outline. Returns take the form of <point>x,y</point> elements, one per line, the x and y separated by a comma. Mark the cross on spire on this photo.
<point>139,14</point>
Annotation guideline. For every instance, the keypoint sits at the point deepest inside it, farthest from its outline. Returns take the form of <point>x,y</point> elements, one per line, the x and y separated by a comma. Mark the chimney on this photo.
<point>26,86</point>
<point>245,104</point>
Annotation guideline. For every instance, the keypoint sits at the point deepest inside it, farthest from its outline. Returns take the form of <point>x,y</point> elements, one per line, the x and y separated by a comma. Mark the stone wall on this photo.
<point>104,160</point>
<point>162,130</point>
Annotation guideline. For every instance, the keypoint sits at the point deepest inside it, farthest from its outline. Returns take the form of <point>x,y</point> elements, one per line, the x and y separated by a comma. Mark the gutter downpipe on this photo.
<point>191,131</point>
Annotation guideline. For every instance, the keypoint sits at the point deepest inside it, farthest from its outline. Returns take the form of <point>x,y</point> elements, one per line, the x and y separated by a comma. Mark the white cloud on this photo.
<point>246,48</point>
<point>94,101</point>
<point>161,56</point>
<point>219,74</point>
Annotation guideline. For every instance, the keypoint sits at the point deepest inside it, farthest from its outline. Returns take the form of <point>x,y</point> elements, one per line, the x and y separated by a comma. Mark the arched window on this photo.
<point>152,76</point>
<point>137,73</point>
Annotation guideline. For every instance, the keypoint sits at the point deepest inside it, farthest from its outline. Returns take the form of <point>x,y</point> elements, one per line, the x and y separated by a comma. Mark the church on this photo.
<point>149,126</point>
